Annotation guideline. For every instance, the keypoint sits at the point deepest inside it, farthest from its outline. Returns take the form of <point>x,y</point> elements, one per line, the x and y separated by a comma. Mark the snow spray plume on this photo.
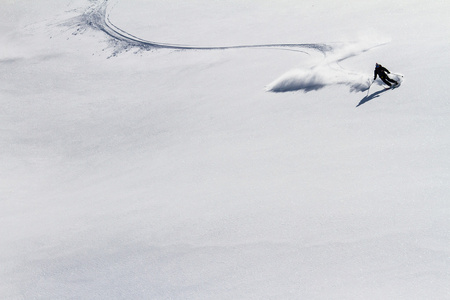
<point>327,73</point>
<point>318,78</point>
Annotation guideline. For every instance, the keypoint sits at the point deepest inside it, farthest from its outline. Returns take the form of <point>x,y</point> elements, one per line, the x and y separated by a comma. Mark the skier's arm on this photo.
<point>386,70</point>
<point>375,74</point>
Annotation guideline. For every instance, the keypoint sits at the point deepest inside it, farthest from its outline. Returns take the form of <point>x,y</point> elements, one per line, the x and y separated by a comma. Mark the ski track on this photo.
<point>97,17</point>
<point>326,73</point>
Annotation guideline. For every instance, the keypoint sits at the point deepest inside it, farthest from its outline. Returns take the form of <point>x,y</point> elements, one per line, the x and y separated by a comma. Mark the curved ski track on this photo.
<point>97,17</point>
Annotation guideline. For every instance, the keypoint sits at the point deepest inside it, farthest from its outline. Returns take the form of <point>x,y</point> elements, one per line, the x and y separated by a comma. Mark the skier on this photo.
<point>381,71</point>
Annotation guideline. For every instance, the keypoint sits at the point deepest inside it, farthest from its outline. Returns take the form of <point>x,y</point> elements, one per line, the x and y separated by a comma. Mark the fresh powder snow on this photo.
<point>224,150</point>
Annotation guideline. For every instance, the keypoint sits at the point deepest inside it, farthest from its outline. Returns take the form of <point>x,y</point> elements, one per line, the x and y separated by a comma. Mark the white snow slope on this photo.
<point>250,163</point>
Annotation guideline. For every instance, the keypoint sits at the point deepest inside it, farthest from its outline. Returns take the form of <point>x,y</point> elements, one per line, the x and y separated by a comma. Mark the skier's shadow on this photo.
<point>371,96</point>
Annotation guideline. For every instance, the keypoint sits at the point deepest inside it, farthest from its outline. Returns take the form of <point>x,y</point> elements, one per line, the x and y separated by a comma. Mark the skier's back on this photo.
<point>382,72</point>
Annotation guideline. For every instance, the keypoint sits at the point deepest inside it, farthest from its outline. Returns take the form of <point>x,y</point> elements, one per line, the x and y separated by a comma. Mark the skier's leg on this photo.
<point>394,81</point>
<point>391,80</point>
<point>385,80</point>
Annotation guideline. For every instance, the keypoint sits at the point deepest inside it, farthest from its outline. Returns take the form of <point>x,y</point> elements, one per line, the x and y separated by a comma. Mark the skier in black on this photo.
<point>381,71</point>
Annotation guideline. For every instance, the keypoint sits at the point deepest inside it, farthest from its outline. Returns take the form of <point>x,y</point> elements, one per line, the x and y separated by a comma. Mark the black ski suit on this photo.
<point>381,71</point>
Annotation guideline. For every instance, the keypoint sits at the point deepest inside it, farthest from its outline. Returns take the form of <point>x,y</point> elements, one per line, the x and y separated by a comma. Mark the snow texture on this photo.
<point>224,150</point>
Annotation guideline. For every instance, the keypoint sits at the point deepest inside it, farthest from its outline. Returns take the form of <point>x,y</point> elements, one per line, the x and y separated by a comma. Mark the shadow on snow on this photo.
<point>371,96</point>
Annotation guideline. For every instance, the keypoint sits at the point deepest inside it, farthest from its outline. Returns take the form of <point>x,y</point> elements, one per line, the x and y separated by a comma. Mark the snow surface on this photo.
<point>224,150</point>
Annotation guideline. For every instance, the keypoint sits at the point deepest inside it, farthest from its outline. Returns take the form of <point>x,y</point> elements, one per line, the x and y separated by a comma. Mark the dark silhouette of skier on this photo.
<point>381,71</point>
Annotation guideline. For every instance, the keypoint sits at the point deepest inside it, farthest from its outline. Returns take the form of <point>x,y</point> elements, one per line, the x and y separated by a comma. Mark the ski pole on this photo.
<point>369,87</point>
